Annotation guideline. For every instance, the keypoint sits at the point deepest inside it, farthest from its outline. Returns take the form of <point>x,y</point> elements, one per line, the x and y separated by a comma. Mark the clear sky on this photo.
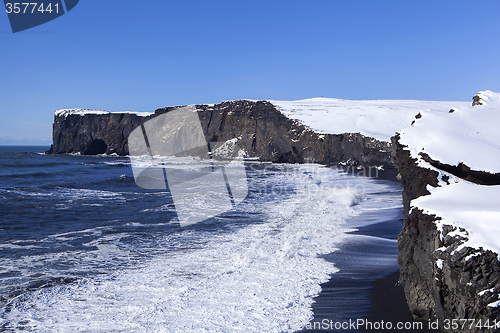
<point>124,55</point>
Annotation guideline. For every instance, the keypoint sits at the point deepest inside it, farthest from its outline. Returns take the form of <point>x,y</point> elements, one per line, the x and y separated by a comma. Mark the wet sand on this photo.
<point>365,287</point>
<point>388,303</point>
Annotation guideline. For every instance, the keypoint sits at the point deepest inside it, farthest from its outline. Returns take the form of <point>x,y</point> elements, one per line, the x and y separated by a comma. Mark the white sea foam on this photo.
<point>68,194</point>
<point>26,193</point>
<point>258,278</point>
<point>125,163</point>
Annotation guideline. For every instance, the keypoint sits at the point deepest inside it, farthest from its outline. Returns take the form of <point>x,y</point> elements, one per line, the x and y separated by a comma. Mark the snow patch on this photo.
<point>489,97</point>
<point>469,135</point>
<point>228,149</point>
<point>494,304</point>
<point>379,119</point>
<point>470,256</point>
<point>78,112</point>
<point>486,291</point>
<point>83,112</point>
<point>473,207</point>
<point>140,114</point>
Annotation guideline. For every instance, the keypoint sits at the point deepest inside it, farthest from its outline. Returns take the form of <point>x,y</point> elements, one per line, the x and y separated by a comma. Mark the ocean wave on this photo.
<point>219,275</point>
<point>63,193</point>
<point>26,174</point>
<point>25,192</point>
<point>117,163</point>
<point>261,277</point>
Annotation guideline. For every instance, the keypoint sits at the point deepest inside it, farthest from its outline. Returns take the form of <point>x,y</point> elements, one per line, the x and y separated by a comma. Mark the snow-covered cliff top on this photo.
<point>379,119</point>
<point>463,204</point>
<point>78,112</point>
<point>82,112</point>
<point>468,135</point>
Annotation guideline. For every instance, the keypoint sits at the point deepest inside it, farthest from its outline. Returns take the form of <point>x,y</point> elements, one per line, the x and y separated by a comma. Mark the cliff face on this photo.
<point>450,292</point>
<point>262,130</point>
<point>93,134</point>
<point>444,277</point>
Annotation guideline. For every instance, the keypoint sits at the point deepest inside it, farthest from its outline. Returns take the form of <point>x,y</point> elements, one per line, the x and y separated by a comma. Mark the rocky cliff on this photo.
<point>261,129</point>
<point>91,132</point>
<point>447,276</point>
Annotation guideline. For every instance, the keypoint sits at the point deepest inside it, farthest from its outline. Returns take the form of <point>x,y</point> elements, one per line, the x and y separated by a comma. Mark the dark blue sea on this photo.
<point>83,248</point>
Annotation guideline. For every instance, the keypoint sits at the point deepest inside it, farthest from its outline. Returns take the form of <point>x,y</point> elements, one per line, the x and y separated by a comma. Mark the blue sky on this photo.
<point>120,55</point>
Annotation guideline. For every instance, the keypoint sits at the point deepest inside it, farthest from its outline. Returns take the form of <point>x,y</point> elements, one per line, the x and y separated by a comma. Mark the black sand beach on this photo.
<point>365,287</point>
<point>388,304</point>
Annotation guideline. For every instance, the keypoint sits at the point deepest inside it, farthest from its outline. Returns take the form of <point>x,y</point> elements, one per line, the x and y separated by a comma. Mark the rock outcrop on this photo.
<point>443,278</point>
<point>262,131</point>
<point>93,133</point>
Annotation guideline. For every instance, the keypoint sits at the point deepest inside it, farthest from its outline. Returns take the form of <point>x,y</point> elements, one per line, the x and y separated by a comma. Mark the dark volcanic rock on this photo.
<point>454,290</point>
<point>93,134</point>
<point>465,172</point>
<point>476,100</point>
<point>262,130</point>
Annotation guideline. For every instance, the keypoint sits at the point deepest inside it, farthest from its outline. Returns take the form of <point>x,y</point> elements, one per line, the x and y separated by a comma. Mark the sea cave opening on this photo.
<point>96,147</point>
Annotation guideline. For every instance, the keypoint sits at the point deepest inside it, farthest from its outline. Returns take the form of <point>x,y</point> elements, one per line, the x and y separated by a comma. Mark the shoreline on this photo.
<point>347,296</point>
<point>388,304</point>
<point>365,287</point>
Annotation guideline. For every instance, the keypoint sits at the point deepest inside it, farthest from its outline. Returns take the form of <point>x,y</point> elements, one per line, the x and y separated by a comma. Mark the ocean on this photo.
<point>83,248</point>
